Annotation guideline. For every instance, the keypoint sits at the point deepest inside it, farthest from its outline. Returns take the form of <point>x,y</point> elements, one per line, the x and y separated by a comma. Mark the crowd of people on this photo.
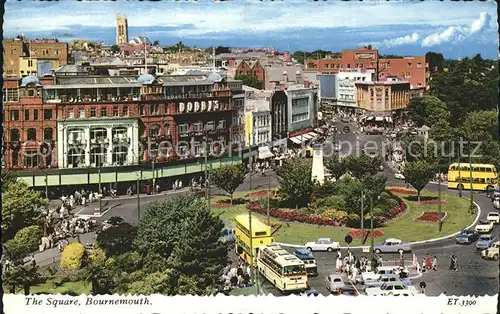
<point>236,277</point>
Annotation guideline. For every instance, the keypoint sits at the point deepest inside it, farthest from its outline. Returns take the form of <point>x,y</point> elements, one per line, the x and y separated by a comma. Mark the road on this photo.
<point>475,275</point>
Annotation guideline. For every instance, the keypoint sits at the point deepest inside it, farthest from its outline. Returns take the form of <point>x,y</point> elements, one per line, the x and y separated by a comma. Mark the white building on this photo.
<point>257,122</point>
<point>346,88</point>
<point>87,143</point>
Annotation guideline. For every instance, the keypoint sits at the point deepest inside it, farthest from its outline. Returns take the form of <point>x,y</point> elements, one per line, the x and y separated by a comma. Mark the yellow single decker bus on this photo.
<point>261,235</point>
<point>484,176</point>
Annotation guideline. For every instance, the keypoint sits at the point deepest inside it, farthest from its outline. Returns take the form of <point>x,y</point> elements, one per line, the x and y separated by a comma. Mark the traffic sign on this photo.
<point>348,239</point>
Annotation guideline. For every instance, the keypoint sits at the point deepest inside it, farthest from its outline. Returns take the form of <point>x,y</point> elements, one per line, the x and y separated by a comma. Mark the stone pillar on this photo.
<point>87,146</point>
<point>318,169</point>
<point>109,153</point>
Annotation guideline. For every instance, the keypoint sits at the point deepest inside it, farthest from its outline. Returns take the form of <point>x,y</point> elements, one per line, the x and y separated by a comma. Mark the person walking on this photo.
<point>434,263</point>
<point>422,285</point>
<point>453,262</point>
<point>338,265</point>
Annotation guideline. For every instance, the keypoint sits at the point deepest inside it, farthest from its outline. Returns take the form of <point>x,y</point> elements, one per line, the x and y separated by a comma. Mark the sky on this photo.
<point>456,29</point>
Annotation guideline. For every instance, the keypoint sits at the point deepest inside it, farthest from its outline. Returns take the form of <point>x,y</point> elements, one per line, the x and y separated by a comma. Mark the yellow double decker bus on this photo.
<point>261,235</point>
<point>484,176</point>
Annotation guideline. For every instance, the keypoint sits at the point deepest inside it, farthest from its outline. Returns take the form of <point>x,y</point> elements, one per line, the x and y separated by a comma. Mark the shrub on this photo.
<point>30,237</point>
<point>333,201</point>
<point>97,255</point>
<point>72,256</point>
<point>335,214</point>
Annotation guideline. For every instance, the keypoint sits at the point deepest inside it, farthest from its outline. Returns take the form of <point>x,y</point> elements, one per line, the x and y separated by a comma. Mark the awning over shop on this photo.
<point>306,136</point>
<point>388,119</point>
<point>296,140</point>
<point>379,118</point>
<point>265,153</point>
<point>319,130</point>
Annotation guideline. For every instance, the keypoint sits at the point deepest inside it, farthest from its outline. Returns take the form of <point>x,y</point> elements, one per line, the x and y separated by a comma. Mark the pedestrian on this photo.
<point>434,263</point>
<point>428,261</point>
<point>338,265</point>
<point>423,265</point>
<point>422,285</point>
<point>454,262</point>
<point>339,254</point>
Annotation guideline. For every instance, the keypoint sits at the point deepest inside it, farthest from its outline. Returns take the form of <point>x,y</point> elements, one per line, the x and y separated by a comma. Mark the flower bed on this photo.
<point>393,213</point>
<point>222,203</point>
<point>432,202</point>
<point>402,190</point>
<point>293,215</point>
<point>356,233</point>
<point>258,194</point>
<point>431,217</point>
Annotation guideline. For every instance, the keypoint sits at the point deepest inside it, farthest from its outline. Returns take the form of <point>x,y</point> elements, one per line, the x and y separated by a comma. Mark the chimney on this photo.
<point>286,56</point>
<point>282,86</point>
<point>306,84</point>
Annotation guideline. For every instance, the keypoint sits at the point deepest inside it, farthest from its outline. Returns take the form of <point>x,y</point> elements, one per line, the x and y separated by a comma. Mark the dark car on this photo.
<point>312,293</point>
<point>466,237</point>
<point>346,129</point>
<point>346,290</point>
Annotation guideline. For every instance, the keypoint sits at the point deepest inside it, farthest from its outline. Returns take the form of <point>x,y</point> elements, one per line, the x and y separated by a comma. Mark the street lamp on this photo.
<point>362,215</point>
<point>138,196</point>
<point>153,159</point>
<point>371,226</point>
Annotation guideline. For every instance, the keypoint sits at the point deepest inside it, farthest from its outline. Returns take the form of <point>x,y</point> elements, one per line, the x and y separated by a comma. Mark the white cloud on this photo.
<point>456,34</point>
<point>235,16</point>
<point>403,40</point>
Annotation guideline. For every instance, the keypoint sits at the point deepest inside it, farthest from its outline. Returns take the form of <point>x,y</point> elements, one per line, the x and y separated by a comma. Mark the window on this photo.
<point>31,159</point>
<point>31,134</point>
<point>26,115</point>
<point>15,158</point>
<point>14,115</point>
<point>419,65</point>
<point>103,112</point>
<point>154,130</point>
<point>31,93</point>
<point>409,65</point>
<point>47,114</point>
<point>154,109</point>
<point>125,110</point>
<point>210,125</point>
<point>166,129</point>
<point>81,113</point>
<point>14,135</point>
<point>10,94</point>
<point>115,111</point>
<point>93,113</point>
<point>47,134</point>
<point>408,74</point>
<point>221,124</point>
<point>35,114</point>
<point>183,128</point>
<point>197,126</point>
<point>142,110</point>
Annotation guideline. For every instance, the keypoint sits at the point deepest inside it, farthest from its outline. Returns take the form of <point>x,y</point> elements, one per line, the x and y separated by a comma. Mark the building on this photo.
<point>238,123</point>
<point>118,123</point>
<point>22,56</point>
<point>412,69</point>
<point>258,130</point>
<point>337,91</point>
<point>385,96</point>
<point>278,77</point>
<point>121,29</point>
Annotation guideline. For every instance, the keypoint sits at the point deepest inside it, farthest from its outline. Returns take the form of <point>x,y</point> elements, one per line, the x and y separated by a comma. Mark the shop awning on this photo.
<point>305,137</point>
<point>319,130</point>
<point>388,119</point>
<point>379,118</point>
<point>296,140</point>
<point>312,134</point>
<point>265,153</point>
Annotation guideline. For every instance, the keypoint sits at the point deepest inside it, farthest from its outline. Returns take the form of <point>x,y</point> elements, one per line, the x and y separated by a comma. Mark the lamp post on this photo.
<point>153,159</point>
<point>268,199</point>
<point>138,197</point>
<point>362,215</point>
<point>206,167</point>
<point>470,180</point>
<point>440,224</point>
<point>100,190</point>
<point>371,227</point>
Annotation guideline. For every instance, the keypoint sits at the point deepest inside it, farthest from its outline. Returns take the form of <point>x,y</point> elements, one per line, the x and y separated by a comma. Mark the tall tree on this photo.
<point>115,49</point>
<point>336,168</point>
<point>228,178</point>
<point>295,184</point>
<point>361,166</point>
<point>21,207</point>
<point>418,174</point>
<point>117,239</point>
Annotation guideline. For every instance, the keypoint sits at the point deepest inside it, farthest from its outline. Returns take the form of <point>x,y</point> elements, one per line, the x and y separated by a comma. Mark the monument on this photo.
<point>318,170</point>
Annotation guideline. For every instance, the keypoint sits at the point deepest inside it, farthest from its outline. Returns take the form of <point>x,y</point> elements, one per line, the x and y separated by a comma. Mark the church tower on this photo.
<point>121,29</point>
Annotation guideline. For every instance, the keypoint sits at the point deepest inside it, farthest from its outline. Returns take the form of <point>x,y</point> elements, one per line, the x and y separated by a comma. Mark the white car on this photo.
<point>323,244</point>
<point>496,202</point>
<point>392,288</point>
<point>374,276</point>
<point>484,226</point>
<point>493,217</point>
<point>399,175</point>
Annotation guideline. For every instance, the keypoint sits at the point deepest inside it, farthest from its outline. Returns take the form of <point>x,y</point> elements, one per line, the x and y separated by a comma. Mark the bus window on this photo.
<point>482,169</point>
<point>453,168</point>
<point>260,233</point>
<point>482,180</point>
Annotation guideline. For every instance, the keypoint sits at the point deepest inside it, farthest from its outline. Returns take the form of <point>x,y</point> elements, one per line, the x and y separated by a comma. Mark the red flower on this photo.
<point>431,216</point>
<point>433,202</point>
<point>356,233</point>
<point>257,194</point>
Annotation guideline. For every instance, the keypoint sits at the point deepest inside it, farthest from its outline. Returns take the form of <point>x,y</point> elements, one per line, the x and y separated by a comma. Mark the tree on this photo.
<point>115,49</point>
<point>373,186</point>
<point>336,168</point>
<point>251,81</point>
<point>162,282</point>
<point>363,165</point>
<point>295,184</point>
<point>428,110</point>
<point>117,239</point>
<point>156,43</point>
<point>199,252</point>
<point>435,61</point>
<point>418,174</point>
<point>21,207</point>
<point>228,178</point>
<point>29,237</point>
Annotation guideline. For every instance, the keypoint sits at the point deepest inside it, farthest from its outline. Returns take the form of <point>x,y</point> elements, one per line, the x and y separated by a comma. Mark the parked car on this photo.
<point>337,147</point>
<point>374,276</point>
<point>484,226</point>
<point>349,291</point>
<point>392,246</point>
<point>496,202</point>
<point>381,168</point>
<point>392,288</point>
<point>334,282</point>
<point>323,244</point>
<point>493,217</point>
<point>466,237</point>
<point>399,175</point>
<point>380,281</point>
<point>314,293</point>
<point>227,235</point>
<point>485,241</point>
<point>491,252</point>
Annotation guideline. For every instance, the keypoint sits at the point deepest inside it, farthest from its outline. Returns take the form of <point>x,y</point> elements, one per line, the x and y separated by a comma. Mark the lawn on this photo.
<point>403,227</point>
<point>50,287</point>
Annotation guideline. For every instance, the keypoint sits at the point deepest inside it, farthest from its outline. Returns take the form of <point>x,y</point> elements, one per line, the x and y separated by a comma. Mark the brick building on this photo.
<point>81,122</point>
<point>412,69</point>
<point>18,52</point>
